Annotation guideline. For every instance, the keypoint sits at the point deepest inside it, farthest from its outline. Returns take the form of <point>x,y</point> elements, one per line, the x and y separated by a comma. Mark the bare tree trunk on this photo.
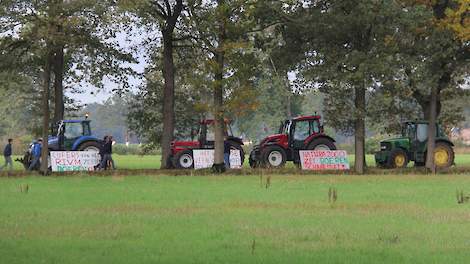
<point>218,95</point>
<point>359,129</point>
<point>169,100</point>
<point>289,97</point>
<point>59,107</point>
<point>45,111</point>
<point>432,131</point>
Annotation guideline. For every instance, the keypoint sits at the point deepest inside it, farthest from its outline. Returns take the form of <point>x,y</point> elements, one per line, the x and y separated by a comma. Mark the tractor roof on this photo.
<point>416,122</point>
<point>76,121</point>
<point>303,118</point>
<point>211,121</point>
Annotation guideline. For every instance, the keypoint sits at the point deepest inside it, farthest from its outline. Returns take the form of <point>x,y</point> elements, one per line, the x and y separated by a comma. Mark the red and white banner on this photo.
<point>324,159</point>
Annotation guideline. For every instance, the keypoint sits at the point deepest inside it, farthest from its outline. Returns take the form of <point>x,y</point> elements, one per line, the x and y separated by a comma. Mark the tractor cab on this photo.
<point>412,146</point>
<point>300,133</point>
<point>71,135</point>
<point>181,151</point>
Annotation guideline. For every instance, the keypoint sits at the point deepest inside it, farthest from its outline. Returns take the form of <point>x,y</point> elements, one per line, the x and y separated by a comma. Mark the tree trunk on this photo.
<point>289,97</point>
<point>59,107</point>
<point>359,129</point>
<point>219,124</point>
<point>432,130</point>
<point>45,111</point>
<point>169,100</point>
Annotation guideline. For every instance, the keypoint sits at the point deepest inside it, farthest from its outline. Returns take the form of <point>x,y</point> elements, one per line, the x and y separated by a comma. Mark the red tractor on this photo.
<point>300,133</point>
<point>182,151</point>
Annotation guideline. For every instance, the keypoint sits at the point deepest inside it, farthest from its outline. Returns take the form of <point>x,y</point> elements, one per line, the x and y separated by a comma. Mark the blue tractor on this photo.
<point>68,135</point>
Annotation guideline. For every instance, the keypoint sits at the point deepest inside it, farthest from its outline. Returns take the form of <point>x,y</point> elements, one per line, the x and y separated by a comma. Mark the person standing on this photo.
<point>7,155</point>
<point>101,153</point>
<point>110,157</point>
<point>107,151</point>
<point>36,152</point>
<point>226,153</point>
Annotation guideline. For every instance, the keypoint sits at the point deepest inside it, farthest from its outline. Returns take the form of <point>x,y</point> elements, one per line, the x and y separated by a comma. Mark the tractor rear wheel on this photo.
<point>274,157</point>
<point>321,144</point>
<point>90,146</point>
<point>184,160</point>
<point>443,155</point>
<point>398,159</point>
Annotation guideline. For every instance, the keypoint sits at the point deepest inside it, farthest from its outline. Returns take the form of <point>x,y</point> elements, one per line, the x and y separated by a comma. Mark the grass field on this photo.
<point>153,162</point>
<point>234,219</point>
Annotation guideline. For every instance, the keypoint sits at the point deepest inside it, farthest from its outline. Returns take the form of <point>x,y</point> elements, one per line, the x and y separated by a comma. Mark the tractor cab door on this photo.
<point>207,136</point>
<point>300,131</point>
<point>71,132</point>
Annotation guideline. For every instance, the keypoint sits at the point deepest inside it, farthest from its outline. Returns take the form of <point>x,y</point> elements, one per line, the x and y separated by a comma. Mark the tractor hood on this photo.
<point>391,143</point>
<point>274,139</point>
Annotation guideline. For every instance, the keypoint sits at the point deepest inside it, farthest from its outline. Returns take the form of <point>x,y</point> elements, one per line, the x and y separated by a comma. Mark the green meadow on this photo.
<point>234,219</point>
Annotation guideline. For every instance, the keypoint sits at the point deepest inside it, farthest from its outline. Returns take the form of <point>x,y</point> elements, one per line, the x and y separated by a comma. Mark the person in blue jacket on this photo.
<point>36,152</point>
<point>226,153</point>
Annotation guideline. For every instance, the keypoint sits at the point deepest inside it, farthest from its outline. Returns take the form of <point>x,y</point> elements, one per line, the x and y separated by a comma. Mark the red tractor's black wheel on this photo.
<point>321,144</point>
<point>184,160</point>
<point>274,157</point>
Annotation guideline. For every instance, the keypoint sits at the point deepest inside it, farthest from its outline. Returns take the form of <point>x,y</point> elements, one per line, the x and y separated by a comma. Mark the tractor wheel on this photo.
<point>274,157</point>
<point>184,160</point>
<point>236,146</point>
<point>253,163</point>
<point>398,159</point>
<point>443,155</point>
<point>90,146</point>
<point>321,144</point>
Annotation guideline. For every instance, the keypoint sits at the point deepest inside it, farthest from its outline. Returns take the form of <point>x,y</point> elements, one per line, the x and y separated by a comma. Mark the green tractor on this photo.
<point>412,146</point>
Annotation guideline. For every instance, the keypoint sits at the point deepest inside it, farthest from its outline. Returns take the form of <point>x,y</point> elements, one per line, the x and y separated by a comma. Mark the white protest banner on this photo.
<point>74,160</point>
<point>204,158</point>
<point>324,160</point>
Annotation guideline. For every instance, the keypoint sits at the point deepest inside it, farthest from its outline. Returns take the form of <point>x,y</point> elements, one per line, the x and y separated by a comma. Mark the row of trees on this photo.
<point>234,58</point>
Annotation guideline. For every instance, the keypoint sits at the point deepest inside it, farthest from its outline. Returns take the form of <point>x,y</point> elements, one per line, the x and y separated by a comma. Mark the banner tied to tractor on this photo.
<point>204,158</point>
<point>324,159</point>
<point>74,160</point>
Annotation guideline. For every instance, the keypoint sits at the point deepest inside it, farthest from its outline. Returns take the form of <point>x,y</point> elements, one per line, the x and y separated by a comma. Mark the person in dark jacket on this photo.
<point>107,151</point>
<point>7,155</point>
<point>226,153</point>
<point>36,153</point>
<point>101,153</point>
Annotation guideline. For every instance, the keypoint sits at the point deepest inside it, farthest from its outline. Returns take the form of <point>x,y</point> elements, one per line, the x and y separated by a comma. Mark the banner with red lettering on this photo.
<point>324,159</point>
<point>74,160</point>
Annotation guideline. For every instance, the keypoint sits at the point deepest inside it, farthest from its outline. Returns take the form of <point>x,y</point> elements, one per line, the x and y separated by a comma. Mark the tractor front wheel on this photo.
<point>274,157</point>
<point>184,160</point>
<point>443,155</point>
<point>398,159</point>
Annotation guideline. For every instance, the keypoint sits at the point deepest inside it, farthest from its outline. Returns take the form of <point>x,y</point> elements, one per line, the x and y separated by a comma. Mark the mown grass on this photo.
<point>234,219</point>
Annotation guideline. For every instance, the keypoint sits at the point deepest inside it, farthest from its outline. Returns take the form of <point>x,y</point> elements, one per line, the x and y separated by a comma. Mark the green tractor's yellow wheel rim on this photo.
<point>441,157</point>
<point>400,160</point>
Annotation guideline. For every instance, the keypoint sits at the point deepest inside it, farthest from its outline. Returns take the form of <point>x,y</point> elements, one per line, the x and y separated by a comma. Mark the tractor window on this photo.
<point>316,126</point>
<point>73,130</point>
<point>422,132</point>
<point>210,133</point>
<point>302,130</point>
<point>86,129</point>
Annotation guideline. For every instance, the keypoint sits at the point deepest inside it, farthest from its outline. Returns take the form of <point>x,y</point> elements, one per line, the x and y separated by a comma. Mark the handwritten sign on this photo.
<point>204,158</point>
<point>74,160</point>
<point>324,160</point>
